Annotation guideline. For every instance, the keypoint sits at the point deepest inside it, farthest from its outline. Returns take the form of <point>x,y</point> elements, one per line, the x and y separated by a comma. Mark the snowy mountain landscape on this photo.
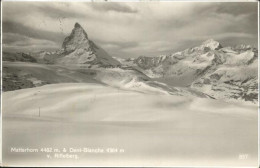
<point>197,104</point>
<point>208,70</point>
<point>80,60</point>
<point>228,73</point>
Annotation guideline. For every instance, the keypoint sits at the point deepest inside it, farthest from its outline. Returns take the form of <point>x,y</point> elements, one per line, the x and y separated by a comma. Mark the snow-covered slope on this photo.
<point>235,78</point>
<point>27,75</point>
<point>153,129</point>
<point>21,75</point>
<point>131,79</point>
<point>190,62</point>
<point>197,67</point>
<point>231,82</point>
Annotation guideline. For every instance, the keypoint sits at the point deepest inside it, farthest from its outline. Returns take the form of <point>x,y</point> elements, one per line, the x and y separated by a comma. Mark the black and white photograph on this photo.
<point>129,83</point>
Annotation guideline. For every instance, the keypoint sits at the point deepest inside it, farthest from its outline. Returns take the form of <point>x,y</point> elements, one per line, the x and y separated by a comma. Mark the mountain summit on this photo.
<point>228,73</point>
<point>212,44</point>
<point>77,48</point>
<point>77,39</point>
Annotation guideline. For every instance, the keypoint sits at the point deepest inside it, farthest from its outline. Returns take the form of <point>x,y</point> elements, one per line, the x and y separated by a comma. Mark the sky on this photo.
<point>129,29</point>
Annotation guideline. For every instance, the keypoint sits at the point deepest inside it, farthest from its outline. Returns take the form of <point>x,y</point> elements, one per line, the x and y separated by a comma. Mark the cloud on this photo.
<point>233,35</point>
<point>236,8</point>
<point>20,43</point>
<point>112,6</point>
<point>55,12</point>
<point>9,38</point>
<point>121,45</point>
<point>18,28</point>
<point>130,29</point>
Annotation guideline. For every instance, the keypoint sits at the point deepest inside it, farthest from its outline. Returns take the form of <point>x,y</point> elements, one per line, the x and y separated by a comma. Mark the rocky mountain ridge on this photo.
<point>77,48</point>
<point>221,72</point>
<point>210,68</point>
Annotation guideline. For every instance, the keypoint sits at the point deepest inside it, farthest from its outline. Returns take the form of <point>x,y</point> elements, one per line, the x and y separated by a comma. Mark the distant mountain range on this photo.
<point>216,71</point>
<point>221,72</point>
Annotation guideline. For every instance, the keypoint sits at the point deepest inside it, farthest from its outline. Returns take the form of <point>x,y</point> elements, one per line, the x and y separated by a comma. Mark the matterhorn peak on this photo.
<point>77,39</point>
<point>77,25</point>
<point>212,44</point>
<point>77,48</point>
